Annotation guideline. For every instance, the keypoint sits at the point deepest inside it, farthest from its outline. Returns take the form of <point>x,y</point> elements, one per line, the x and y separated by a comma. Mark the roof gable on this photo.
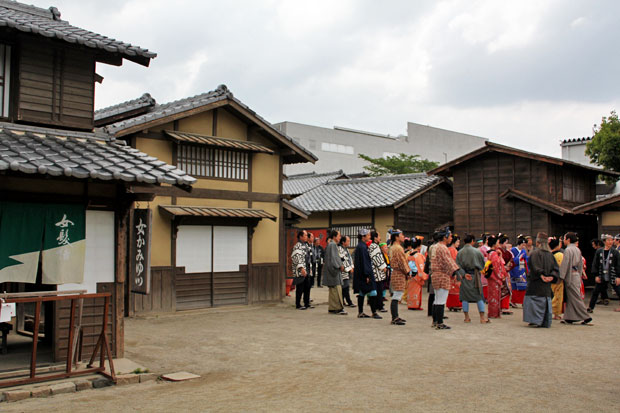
<point>47,23</point>
<point>446,169</point>
<point>160,114</point>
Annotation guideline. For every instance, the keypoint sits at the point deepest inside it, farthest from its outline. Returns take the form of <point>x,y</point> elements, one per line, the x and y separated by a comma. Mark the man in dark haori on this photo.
<point>379,267</point>
<point>299,259</point>
<point>571,271</point>
<point>471,262</point>
<point>543,271</point>
<point>606,270</point>
<point>319,257</point>
<point>332,278</point>
<point>363,278</point>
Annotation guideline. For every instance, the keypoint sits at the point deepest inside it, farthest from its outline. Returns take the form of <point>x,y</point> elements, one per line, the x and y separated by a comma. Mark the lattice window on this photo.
<point>352,231</point>
<point>202,161</point>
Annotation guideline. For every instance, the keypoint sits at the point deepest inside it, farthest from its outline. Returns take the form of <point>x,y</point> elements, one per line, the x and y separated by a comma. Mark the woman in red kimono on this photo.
<point>415,284</point>
<point>504,250</point>
<point>497,278</point>
<point>453,303</point>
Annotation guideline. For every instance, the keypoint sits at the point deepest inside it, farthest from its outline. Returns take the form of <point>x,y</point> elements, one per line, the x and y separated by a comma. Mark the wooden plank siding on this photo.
<point>424,214</point>
<point>55,85</point>
<point>92,320</point>
<point>204,290</point>
<point>162,297</point>
<point>478,184</point>
<point>267,284</point>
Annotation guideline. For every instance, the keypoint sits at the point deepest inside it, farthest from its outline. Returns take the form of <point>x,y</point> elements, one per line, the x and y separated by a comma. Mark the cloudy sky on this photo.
<point>525,73</point>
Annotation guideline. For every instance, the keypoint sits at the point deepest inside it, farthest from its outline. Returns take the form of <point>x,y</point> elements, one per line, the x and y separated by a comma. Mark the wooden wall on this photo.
<point>162,295</point>
<point>204,290</point>
<point>479,182</point>
<point>56,85</point>
<point>266,283</point>
<point>424,214</point>
<point>92,320</point>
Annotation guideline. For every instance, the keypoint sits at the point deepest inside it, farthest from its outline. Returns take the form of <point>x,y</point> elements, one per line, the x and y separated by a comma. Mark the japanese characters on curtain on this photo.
<point>139,251</point>
<point>57,231</point>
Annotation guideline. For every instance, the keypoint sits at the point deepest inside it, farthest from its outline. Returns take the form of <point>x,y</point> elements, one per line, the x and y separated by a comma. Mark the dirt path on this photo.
<point>275,358</point>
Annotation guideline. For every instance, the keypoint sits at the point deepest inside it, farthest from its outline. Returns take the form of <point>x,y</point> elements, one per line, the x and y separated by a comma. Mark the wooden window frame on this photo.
<point>208,162</point>
<point>6,52</point>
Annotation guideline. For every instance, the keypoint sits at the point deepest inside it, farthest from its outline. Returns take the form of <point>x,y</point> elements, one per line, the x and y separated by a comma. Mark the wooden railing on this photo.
<point>73,348</point>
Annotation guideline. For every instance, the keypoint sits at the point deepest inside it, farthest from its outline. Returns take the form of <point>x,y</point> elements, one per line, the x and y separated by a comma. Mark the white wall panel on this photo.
<point>194,248</point>
<point>230,248</point>
<point>99,260</point>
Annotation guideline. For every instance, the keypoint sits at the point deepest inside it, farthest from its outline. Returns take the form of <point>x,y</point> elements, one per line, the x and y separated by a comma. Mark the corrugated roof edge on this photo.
<point>313,174</point>
<point>380,178</point>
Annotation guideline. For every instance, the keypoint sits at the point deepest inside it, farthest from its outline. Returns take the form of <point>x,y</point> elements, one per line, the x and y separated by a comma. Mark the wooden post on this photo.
<point>71,336</point>
<point>122,236</point>
<point>35,339</point>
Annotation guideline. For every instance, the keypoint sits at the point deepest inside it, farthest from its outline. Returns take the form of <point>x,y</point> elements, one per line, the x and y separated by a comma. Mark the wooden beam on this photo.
<point>207,193</point>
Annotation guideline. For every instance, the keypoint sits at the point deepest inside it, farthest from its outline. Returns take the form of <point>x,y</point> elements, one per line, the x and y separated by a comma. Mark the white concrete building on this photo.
<point>575,150</point>
<point>338,148</point>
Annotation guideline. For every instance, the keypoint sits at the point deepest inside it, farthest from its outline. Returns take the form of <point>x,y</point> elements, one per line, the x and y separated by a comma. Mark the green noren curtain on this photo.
<point>58,230</point>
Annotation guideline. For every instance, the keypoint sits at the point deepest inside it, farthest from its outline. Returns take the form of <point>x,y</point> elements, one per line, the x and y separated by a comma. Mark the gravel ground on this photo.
<point>276,358</point>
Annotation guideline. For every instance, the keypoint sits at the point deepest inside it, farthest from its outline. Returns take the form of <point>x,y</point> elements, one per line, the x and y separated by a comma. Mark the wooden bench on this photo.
<point>5,328</point>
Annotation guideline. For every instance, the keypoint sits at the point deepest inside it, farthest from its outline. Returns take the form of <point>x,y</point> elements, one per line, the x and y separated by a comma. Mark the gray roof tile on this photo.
<point>160,111</point>
<point>301,183</point>
<point>80,155</point>
<point>47,23</point>
<point>361,193</point>
<point>143,102</point>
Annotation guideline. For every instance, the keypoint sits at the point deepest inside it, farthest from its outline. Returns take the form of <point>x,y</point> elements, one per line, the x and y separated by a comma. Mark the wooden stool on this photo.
<point>5,328</point>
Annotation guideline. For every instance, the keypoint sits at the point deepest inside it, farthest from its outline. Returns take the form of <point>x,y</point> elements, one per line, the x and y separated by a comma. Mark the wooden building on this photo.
<point>222,243</point>
<point>52,161</point>
<point>502,189</point>
<point>607,210</point>
<point>415,203</point>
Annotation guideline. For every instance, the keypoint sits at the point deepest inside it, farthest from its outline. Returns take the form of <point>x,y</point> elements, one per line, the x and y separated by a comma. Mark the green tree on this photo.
<point>397,165</point>
<point>604,148</point>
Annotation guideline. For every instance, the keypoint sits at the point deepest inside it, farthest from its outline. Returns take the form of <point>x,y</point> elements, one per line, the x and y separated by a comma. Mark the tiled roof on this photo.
<point>218,142</point>
<point>211,212</point>
<point>178,107</point>
<point>298,184</point>
<point>577,140</point>
<point>82,155</point>
<point>47,23</point>
<point>362,193</point>
<point>143,102</point>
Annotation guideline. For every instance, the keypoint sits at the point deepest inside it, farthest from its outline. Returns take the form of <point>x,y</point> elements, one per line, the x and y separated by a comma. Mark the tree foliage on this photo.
<point>604,148</point>
<point>397,165</point>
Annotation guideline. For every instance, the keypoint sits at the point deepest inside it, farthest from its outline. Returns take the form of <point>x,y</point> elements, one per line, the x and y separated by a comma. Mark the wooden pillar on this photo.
<point>121,270</point>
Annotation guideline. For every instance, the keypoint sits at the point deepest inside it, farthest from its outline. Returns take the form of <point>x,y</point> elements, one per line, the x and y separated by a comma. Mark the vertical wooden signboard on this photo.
<point>140,251</point>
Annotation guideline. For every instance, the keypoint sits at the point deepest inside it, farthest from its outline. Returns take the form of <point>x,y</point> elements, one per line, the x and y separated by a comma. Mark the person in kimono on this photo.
<point>400,273</point>
<point>496,279</point>
<point>471,261</point>
<point>453,303</point>
<point>484,249</point>
<point>502,247</point>
<point>319,256</point>
<point>429,258</point>
<point>518,273</point>
<point>415,284</point>
<point>301,279</point>
<point>571,272</point>
<point>544,270</point>
<point>363,278</point>
<point>332,270</point>
<point>379,267</point>
<point>444,269</point>
<point>606,270</point>
<point>347,273</point>
<point>557,287</point>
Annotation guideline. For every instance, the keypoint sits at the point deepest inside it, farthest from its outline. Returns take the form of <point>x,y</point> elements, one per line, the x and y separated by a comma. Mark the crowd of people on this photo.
<point>544,275</point>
